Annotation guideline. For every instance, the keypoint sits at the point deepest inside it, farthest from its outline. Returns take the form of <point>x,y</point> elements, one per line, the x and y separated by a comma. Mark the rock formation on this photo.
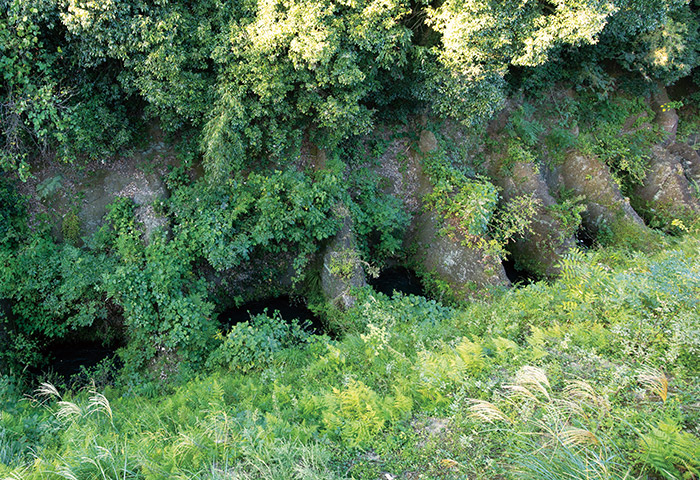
<point>448,260</point>
<point>605,205</point>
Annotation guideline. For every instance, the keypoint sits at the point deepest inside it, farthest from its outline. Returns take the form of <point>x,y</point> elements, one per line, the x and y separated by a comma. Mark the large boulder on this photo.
<point>666,192</point>
<point>689,158</point>
<point>548,238</point>
<point>464,268</point>
<point>605,206</point>
<point>541,249</point>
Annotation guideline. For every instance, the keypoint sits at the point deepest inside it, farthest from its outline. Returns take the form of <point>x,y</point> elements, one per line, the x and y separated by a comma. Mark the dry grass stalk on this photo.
<point>483,410</point>
<point>654,380</point>
<point>533,377</point>
<point>99,403</point>
<point>517,391</point>
<point>585,392</point>
<point>67,410</point>
<point>48,390</point>
<point>568,407</point>
<point>578,436</point>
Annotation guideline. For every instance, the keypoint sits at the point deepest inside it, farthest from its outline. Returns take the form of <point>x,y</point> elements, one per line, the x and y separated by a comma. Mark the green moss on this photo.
<point>71,227</point>
<point>670,218</point>
<point>343,263</point>
<point>629,235</point>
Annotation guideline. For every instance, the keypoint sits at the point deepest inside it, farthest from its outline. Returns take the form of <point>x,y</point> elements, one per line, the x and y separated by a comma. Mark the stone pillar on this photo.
<point>342,267</point>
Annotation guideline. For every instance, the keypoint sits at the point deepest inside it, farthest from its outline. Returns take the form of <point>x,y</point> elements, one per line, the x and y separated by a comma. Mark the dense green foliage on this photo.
<point>274,107</point>
<point>258,77</point>
<point>589,377</point>
<point>470,207</point>
<point>227,222</point>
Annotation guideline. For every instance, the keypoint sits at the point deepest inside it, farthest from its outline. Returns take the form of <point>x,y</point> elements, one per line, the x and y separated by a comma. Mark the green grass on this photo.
<point>559,380</point>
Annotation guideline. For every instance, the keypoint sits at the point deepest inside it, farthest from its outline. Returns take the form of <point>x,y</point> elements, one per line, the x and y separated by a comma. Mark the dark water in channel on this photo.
<point>67,359</point>
<point>400,279</point>
<point>288,307</point>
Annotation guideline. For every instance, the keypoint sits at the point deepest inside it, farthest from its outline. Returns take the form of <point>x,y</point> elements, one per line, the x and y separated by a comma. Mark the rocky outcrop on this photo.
<point>541,248</point>
<point>666,190</point>
<point>465,269</point>
<point>104,186</point>
<point>342,268</point>
<point>81,195</point>
<point>666,117</point>
<point>548,239</point>
<point>448,260</point>
<point>689,159</point>
<point>669,188</point>
<point>605,205</point>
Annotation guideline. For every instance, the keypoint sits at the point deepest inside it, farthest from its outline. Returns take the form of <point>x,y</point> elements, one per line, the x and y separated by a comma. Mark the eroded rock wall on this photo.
<point>465,269</point>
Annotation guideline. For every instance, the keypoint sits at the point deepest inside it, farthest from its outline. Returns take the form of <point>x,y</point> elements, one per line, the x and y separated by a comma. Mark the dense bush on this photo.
<point>253,344</point>
<point>166,307</point>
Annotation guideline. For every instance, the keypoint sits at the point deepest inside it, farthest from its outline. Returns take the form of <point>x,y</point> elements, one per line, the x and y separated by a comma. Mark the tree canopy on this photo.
<point>256,77</point>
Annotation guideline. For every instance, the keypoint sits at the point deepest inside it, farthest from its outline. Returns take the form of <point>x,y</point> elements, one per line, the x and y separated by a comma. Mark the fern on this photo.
<point>471,356</point>
<point>670,452</point>
<point>354,412</point>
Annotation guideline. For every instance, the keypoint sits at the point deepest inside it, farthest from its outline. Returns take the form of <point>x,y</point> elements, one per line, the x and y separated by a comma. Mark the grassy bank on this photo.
<point>593,376</point>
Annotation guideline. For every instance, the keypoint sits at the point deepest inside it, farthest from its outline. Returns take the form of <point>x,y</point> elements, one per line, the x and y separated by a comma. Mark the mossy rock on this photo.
<point>666,193</point>
<point>452,262</point>
<point>549,238</point>
<point>605,206</point>
<point>342,270</point>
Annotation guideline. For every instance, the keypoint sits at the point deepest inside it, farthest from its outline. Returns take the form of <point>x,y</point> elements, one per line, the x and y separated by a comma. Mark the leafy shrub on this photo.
<point>376,308</point>
<point>261,212</point>
<point>253,344</point>
<point>12,214</point>
<point>166,308</point>
<point>624,148</point>
<point>470,208</point>
<point>54,288</point>
<point>379,219</point>
<point>467,205</point>
<point>568,211</point>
